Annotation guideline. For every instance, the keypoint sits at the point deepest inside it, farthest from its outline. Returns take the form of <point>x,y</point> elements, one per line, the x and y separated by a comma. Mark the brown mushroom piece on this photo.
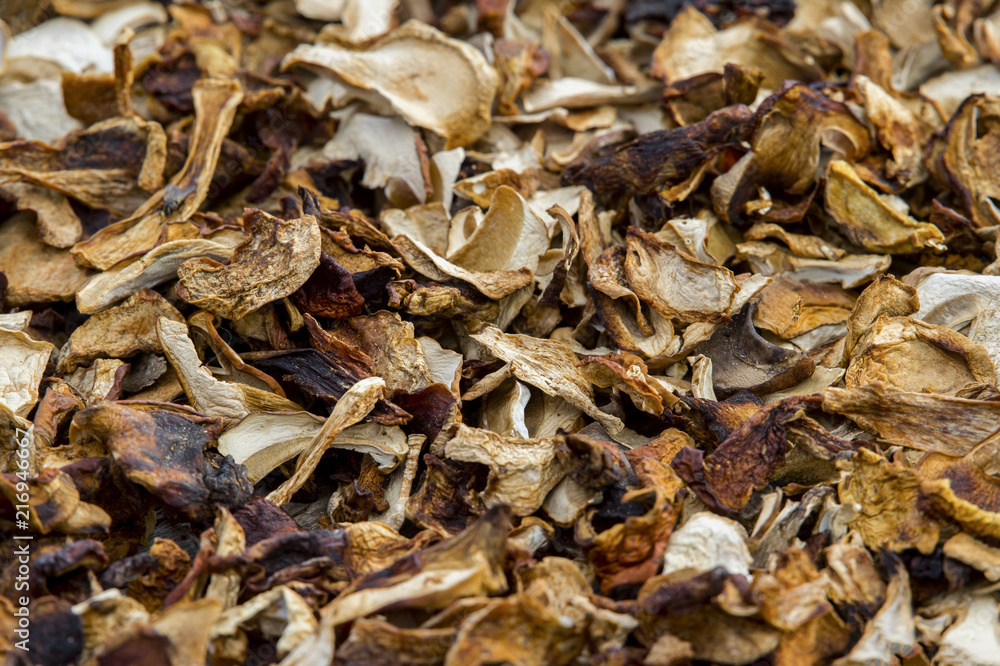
<point>743,360</point>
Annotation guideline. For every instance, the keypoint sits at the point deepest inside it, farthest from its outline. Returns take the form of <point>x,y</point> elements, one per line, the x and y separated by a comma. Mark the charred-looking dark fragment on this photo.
<point>57,632</point>
<point>262,519</point>
<point>294,556</point>
<point>693,99</point>
<point>662,158</point>
<point>743,360</point>
<point>722,417</point>
<point>590,462</point>
<point>329,291</point>
<point>163,451</point>
<point>432,408</point>
<point>319,377</point>
<point>743,463</point>
<point>446,501</point>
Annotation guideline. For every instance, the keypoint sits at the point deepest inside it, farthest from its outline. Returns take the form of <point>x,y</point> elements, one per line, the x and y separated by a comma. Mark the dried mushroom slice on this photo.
<point>207,394</point>
<point>792,126</point>
<point>494,284</point>
<point>511,236</point>
<point>522,471</point>
<point>119,332</point>
<point>153,268</point>
<point>892,632</point>
<point>22,364</point>
<point>887,296</point>
<point>707,542</point>
<point>791,308</point>
<point>743,360</point>
<point>276,259</point>
<point>163,451</point>
<point>352,407</point>
<point>392,151</point>
<point>869,221</point>
<point>111,165</point>
<point>215,103</point>
<point>35,272</point>
<point>975,637</point>
<point>911,355</point>
<point>922,421</point>
<point>744,462</point>
<point>429,79</point>
<point>54,505</point>
<point>968,157</point>
<point>662,160</point>
<point>468,564</point>
<point>549,365</point>
<point>694,46</point>
<point>801,245</point>
<point>674,284</point>
<point>900,130</point>
<point>888,495</point>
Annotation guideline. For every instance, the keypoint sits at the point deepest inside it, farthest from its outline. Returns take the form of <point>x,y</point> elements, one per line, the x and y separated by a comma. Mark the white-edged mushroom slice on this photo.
<point>390,150</point>
<point>263,442</point>
<point>432,81</point>
<point>575,93</point>
<point>551,366</point>
<point>707,541</point>
<point>279,613</point>
<point>892,631</point>
<point>153,268</point>
<point>569,53</point>
<point>207,394</point>
<point>352,407</point>
<point>22,365</point>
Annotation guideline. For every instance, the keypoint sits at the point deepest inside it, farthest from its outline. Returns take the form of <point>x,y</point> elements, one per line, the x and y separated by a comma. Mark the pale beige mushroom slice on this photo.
<point>430,80</point>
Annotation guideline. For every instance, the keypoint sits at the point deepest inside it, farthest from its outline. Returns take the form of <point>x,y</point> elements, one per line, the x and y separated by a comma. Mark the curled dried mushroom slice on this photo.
<point>276,259</point>
<point>431,80</point>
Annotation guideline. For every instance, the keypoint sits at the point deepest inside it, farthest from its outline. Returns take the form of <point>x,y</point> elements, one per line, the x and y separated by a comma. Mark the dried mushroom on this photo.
<point>442,333</point>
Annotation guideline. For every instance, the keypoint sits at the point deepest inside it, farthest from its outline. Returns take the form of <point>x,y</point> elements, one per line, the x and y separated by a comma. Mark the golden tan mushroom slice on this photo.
<point>151,269</point>
<point>468,564</point>
<point>22,365</point>
<point>522,471</point>
<point>119,332</point>
<point>556,604</point>
<point>887,496</point>
<point>692,46</point>
<point>923,421</point>
<point>215,102</point>
<point>276,259</point>
<point>675,284</point>
<point>871,222</point>
<point>36,272</point>
<point>900,130</point>
<point>911,355</point>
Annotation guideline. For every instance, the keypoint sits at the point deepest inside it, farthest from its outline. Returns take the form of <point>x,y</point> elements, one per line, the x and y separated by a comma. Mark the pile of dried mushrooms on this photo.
<point>535,332</point>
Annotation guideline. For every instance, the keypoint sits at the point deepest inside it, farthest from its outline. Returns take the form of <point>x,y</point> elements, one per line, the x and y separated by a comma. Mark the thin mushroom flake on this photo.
<point>377,332</point>
<point>276,259</point>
